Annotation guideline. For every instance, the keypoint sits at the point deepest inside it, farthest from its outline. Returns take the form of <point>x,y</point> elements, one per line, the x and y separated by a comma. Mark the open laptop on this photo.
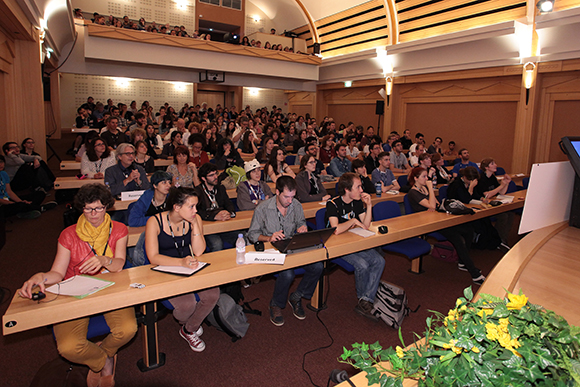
<point>304,241</point>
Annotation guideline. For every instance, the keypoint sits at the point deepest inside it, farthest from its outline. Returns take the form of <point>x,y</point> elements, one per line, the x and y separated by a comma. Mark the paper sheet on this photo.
<point>505,198</point>
<point>180,269</point>
<point>79,286</point>
<point>361,232</point>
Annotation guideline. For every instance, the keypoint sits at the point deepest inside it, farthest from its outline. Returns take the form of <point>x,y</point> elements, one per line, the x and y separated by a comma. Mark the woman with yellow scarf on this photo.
<point>93,245</point>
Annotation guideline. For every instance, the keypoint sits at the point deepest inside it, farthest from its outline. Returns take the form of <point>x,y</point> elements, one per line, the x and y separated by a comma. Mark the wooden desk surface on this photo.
<point>26,314</point>
<point>542,266</point>
<point>244,218</point>
<point>72,165</point>
<point>68,182</point>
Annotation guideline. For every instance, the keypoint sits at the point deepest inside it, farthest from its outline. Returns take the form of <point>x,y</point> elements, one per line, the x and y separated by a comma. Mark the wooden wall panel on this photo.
<point>485,128</point>
<point>566,123</point>
<point>359,113</point>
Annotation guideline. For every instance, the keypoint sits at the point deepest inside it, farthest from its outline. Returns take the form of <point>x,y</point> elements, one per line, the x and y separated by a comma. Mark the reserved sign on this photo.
<point>131,195</point>
<point>272,258</point>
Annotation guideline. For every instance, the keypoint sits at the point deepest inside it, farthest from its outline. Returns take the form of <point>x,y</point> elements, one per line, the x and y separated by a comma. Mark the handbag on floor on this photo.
<point>59,372</point>
<point>445,252</point>
<point>229,317</point>
<point>391,304</point>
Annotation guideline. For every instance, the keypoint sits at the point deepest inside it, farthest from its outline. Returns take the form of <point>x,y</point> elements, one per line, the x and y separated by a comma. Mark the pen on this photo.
<point>191,251</point>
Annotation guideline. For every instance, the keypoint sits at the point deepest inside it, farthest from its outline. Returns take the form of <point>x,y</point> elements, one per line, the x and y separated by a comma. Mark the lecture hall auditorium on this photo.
<point>500,78</point>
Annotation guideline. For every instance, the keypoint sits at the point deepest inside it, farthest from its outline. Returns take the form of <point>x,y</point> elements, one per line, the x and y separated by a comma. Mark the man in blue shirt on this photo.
<point>340,164</point>
<point>383,174</point>
<point>464,155</point>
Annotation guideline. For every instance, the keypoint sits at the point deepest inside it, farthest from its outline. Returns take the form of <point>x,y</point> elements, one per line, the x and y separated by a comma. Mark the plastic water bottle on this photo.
<point>379,189</point>
<point>240,250</point>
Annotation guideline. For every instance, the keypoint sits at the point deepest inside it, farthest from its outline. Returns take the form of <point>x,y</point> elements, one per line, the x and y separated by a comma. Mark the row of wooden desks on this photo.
<point>244,218</point>
<point>24,314</point>
<point>72,165</point>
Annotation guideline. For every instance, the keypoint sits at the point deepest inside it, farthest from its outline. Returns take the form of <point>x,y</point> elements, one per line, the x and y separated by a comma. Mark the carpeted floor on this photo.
<point>267,356</point>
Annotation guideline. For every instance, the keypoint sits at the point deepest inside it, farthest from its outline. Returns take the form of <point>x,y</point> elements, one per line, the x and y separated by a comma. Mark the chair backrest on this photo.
<point>290,159</point>
<point>212,161</point>
<point>320,219</point>
<point>526,182</point>
<point>386,210</point>
<point>512,187</point>
<point>500,171</point>
<point>407,203</point>
<point>328,170</point>
<point>443,192</point>
<point>402,180</point>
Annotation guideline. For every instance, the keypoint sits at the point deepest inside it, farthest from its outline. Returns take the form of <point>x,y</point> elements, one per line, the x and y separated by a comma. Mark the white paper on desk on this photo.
<point>79,286</point>
<point>505,199</point>
<point>393,192</point>
<point>361,232</point>
<point>270,257</point>
<point>179,269</point>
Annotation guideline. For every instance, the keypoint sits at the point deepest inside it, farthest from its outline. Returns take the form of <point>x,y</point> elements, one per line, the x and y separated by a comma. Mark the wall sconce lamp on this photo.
<point>528,78</point>
<point>545,6</point>
<point>389,80</point>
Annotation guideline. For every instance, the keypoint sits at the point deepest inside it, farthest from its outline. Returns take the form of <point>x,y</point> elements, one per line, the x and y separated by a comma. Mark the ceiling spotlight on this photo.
<point>545,5</point>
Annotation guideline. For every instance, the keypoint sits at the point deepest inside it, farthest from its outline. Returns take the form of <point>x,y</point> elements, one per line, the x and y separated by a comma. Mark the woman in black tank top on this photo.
<point>175,238</point>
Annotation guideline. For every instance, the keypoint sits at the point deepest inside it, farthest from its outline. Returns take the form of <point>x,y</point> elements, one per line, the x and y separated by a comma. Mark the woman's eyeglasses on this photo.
<point>89,210</point>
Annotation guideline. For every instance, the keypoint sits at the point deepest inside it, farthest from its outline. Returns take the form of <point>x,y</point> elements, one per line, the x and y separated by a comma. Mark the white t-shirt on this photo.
<point>354,153</point>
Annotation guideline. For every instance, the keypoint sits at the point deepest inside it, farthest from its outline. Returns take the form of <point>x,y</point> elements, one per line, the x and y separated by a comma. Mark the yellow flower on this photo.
<point>464,307</point>
<point>458,302</point>
<point>516,301</point>
<point>475,349</point>
<point>485,311</point>
<point>457,350</point>
<point>400,352</point>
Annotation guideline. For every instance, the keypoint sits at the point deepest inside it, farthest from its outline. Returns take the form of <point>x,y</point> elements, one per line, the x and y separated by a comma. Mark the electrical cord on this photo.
<point>65,59</point>
<point>317,349</point>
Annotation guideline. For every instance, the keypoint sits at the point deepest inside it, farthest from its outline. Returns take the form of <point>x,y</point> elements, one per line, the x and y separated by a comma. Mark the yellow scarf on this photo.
<point>97,237</point>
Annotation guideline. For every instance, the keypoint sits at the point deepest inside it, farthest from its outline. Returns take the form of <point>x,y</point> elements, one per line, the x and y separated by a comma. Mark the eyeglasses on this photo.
<point>29,142</point>
<point>311,162</point>
<point>89,210</point>
<point>100,144</point>
<point>128,153</point>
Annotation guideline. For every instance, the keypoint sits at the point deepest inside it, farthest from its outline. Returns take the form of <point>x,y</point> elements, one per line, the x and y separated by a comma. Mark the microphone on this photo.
<point>339,376</point>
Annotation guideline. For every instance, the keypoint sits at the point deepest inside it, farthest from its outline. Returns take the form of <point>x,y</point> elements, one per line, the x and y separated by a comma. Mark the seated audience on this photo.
<point>90,136</point>
<point>97,159</point>
<point>94,243</point>
<point>352,151</point>
<point>487,187</point>
<point>406,140</point>
<point>153,201</point>
<point>112,136</point>
<point>399,163</point>
<point>414,159</point>
<point>28,147</point>
<point>422,198</point>
<point>463,187</point>
<point>419,140</point>
<point>278,218</point>
<point>348,211</point>
<point>327,151</point>
<point>247,147</point>
<point>360,169</point>
<point>142,157</point>
<point>436,146</point>
<point>169,148</point>
<point>442,175</point>
<point>425,163</point>
<point>276,165</point>
<point>23,206</point>
<point>383,174</point>
<point>253,191</point>
<point>125,175</point>
<point>451,152</point>
<point>463,162</point>
<point>372,160</point>
<point>264,154</point>
<point>226,156</point>
<point>197,156</point>
<point>26,172</point>
<point>309,186</point>
<point>215,205</point>
<point>153,140</point>
<point>290,138</point>
<point>184,172</point>
<point>340,164</point>
<point>175,238</point>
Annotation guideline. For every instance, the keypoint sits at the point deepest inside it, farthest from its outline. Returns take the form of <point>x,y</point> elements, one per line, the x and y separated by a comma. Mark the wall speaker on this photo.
<point>380,107</point>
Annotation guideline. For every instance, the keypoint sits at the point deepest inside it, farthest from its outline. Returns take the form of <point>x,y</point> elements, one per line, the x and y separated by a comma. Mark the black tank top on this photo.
<point>167,243</point>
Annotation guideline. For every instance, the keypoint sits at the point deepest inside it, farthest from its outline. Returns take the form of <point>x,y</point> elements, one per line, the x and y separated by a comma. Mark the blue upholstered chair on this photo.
<point>442,192</point>
<point>402,180</point>
<point>500,171</point>
<point>412,248</point>
<point>409,210</point>
<point>290,159</point>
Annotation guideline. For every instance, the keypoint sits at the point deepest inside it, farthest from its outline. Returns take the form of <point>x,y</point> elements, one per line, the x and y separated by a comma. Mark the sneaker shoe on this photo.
<point>479,280</point>
<point>199,332</point>
<point>364,308</point>
<point>461,266</point>
<point>297,310</point>
<point>276,316</point>
<point>48,206</point>
<point>195,343</point>
<point>503,246</point>
<point>29,215</point>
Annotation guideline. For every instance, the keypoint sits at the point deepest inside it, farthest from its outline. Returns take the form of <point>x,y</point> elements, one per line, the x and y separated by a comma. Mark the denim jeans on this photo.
<point>215,242</point>
<point>305,288</point>
<point>368,269</point>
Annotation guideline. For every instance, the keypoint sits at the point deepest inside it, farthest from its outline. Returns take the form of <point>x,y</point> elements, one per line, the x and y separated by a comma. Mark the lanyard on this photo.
<point>259,195</point>
<point>179,251</point>
<point>211,197</point>
<point>106,245</point>
<point>98,166</point>
<point>281,220</point>
<point>314,183</point>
